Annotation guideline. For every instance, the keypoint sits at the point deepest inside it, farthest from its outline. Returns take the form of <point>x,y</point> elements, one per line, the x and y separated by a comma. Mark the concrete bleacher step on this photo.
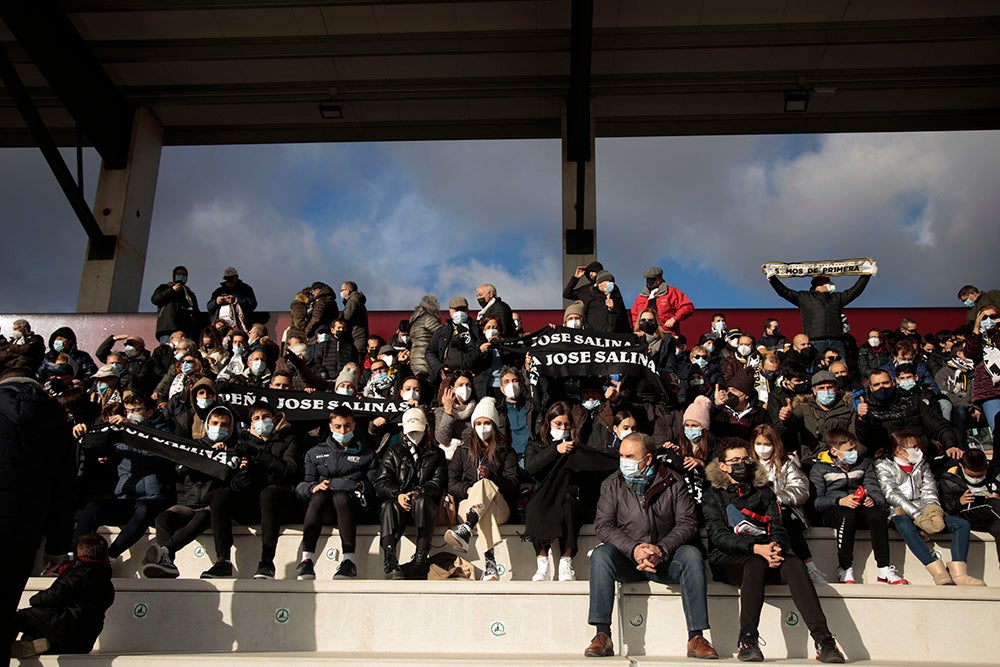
<point>448,619</point>
<point>516,559</point>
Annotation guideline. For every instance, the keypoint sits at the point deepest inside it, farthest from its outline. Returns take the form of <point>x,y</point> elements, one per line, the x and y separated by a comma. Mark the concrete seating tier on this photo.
<point>516,559</point>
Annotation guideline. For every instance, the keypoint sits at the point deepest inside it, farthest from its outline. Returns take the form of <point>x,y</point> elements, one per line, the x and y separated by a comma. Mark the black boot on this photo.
<point>391,568</point>
<point>419,558</point>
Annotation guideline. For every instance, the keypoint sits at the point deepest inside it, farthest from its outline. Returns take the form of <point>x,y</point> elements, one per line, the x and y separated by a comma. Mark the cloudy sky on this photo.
<point>405,219</point>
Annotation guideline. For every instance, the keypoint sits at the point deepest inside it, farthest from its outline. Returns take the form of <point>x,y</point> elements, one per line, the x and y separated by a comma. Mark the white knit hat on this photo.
<point>486,407</point>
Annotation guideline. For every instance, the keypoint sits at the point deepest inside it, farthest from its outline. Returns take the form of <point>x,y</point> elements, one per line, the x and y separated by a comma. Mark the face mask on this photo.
<point>591,404</point>
<point>379,378</point>
<point>709,347</point>
<point>628,467</point>
<point>693,433</point>
<point>512,391</point>
<point>884,394</point>
<point>411,395</point>
<point>764,451</point>
<point>842,382</point>
<point>719,327</point>
<point>130,350</point>
<point>204,403</point>
<point>17,334</point>
<point>264,427</point>
<point>322,338</point>
<point>187,367</point>
<point>907,385</point>
<point>491,333</point>
<point>343,438</point>
<point>732,401</point>
<point>484,431</point>
<point>460,317</point>
<point>387,360</point>
<point>776,333</point>
<point>178,355</point>
<point>987,323</point>
<point>180,278</point>
<point>830,287</point>
<point>609,287</point>
<point>102,388</point>
<point>257,366</point>
<point>975,481</point>
<point>58,346</point>
<point>217,433</point>
<point>118,367</point>
<point>742,472</point>
<point>345,391</point>
<point>239,350</point>
<point>574,323</point>
<point>696,382</point>
<point>914,455</point>
<point>482,302</point>
<point>732,342</point>
<point>624,433</point>
<point>558,434</point>
<point>463,393</point>
<point>770,375</point>
<point>826,398</point>
<point>647,326</point>
<point>850,458</point>
<point>136,417</point>
<point>744,350</point>
<point>701,362</point>
<point>403,339</point>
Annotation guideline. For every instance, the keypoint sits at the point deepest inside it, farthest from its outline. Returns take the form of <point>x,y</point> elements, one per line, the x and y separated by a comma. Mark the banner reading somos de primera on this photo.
<point>565,352</point>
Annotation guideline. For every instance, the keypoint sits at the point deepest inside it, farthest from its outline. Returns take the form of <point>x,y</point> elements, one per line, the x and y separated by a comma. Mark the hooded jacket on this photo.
<point>757,497</point>
<point>911,492</point>
<point>189,419</point>
<point>272,460</point>
<point>197,488</point>
<point>820,310</point>
<point>82,363</point>
<point>982,511</point>
<point>345,469</point>
<point>831,481</point>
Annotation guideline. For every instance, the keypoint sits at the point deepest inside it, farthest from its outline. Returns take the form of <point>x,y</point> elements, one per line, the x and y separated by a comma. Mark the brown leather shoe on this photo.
<point>699,647</point>
<point>600,646</point>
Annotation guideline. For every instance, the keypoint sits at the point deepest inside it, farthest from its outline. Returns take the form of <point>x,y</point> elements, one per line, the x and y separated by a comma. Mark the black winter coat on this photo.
<point>437,350</point>
<point>82,363</point>
<point>905,410</point>
<point>244,296</point>
<point>77,599</point>
<point>595,313</point>
<point>270,462</point>
<point>463,473</point>
<point>176,310</point>
<point>821,310</point>
<point>137,374</point>
<point>399,473</point>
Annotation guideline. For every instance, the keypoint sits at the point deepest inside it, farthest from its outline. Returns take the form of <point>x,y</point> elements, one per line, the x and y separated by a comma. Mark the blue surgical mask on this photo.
<point>217,433</point>
<point>118,367</point>
<point>591,404</point>
<point>102,388</point>
<point>239,350</point>
<point>180,278</point>
<point>987,323</point>
<point>187,367</point>
<point>629,467</point>
<point>701,363</point>
<point>969,303</point>
<point>178,355</point>
<point>460,317</point>
<point>850,458</point>
<point>609,287</point>
<point>58,346</point>
<point>826,398</point>
<point>343,438</point>
<point>379,378</point>
<point>264,427</point>
<point>907,385</point>
<point>322,338</point>
<point>693,433</point>
<point>204,403</point>
<point>257,366</point>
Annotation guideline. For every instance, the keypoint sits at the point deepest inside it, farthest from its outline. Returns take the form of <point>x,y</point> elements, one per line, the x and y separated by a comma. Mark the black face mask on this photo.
<point>885,393</point>
<point>776,332</point>
<point>732,401</point>
<point>800,389</point>
<point>742,472</point>
<point>647,327</point>
<point>482,302</point>
<point>651,283</point>
<point>842,382</point>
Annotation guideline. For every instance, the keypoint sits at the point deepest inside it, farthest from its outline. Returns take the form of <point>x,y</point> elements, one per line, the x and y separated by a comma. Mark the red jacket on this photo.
<point>672,303</point>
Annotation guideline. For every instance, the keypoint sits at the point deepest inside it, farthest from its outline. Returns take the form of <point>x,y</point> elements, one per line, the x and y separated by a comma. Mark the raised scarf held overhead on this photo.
<point>182,451</point>
<point>826,267</point>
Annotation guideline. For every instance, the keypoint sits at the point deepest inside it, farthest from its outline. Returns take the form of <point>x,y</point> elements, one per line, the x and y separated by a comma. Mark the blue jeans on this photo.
<point>687,567</point>
<point>959,529</point>
<point>991,409</point>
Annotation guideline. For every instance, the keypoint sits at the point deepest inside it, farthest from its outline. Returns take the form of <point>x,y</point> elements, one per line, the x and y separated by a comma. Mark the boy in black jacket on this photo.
<point>748,547</point>
<point>69,615</point>
<point>971,491</point>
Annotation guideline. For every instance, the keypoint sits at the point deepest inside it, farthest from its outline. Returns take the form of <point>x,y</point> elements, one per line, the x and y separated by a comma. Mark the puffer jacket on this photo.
<point>811,422</point>
<point>347,469</point>
<point>424,321</point>
<point>756,497</point>
<point>324,312</point>
<point>271,461</point>
<point>911,492</point>
<point>399,473</point>
<point>790,485</point>
<point>869,360</point>
<point>665,515</point>
<point>77,599</point>
<point>820,310</point>
<point>82,363</point>
<point>831,482</point>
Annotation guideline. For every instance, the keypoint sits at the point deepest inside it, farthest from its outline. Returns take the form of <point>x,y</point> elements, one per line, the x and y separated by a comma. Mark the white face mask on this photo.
<point>484,431</point>
<point>744,350</point>
<point>512,391</point>
<point>874,341</point>
<point>463,393</point>
<point>914,455</point>
<point>387,360</point>
<point>491,333</point>
<point>345,391</point>
<point>719,327</point>
<point>411,395</point>
<point>574,323</point>
<point>624,433</point>
<point>764,451</point>
<point>558,434</point>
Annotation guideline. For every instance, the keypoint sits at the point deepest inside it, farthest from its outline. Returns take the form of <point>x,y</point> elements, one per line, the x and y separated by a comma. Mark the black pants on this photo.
<point>180,525</point>
<point>66,631</point>
<point>422,514</point>
<point>132,516</point>
<point>990,526</point>
<point>752,573</point>
<point>16,561</point>
<point>572,521</point>
<point>797,528</point>
<point>268,507</point>
<point>846,521</point>
<point>347,509</point>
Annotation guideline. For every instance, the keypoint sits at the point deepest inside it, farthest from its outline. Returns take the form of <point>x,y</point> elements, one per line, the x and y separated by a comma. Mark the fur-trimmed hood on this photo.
<point>720,480</point>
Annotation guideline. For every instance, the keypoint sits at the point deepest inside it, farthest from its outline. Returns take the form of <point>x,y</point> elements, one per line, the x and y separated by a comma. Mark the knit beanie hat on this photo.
<point>348,374</point>
<point>575,308</point>
<point>743,382</point>
<point>486,407</point>
<point>699,411</point>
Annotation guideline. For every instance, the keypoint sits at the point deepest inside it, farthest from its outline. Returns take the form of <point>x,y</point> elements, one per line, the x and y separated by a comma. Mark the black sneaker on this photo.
<point>265,570</point>
<point>490,571</point>
<point>749,648</point>
<point>306,570</point>
<point>161,569</point>
<point>827,651</point>
<point>223,569</point>
<point>347,570</point>
<point>459,537</point>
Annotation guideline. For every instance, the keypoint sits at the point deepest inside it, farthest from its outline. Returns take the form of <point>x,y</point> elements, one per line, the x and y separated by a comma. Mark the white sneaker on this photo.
<point>846,576</point>
<point>817,575</point>
<point>887,575</point>
<point>566,572</point>
<point>542,573</point>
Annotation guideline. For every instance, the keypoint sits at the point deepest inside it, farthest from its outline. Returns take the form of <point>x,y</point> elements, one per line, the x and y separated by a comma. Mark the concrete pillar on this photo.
<point>579,247</point>
<point>123,208</point>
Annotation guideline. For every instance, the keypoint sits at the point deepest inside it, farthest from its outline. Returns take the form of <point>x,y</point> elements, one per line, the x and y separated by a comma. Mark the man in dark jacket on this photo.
<point>176,307</point>
<point>647,522</point>
<point>810,419</point>
<point>24,348</point>
<point>604,307</point>
<point>356,315</point>
<point>233,292</point>
<point>63,341</point>
<point>456,345</point>
<point>821,308</point>
<point>748,547</point>
<point>135,370</point>
<point>37,486</point>
<point>334,352</point>
<point>324,309</point>
<point>492,305</point>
